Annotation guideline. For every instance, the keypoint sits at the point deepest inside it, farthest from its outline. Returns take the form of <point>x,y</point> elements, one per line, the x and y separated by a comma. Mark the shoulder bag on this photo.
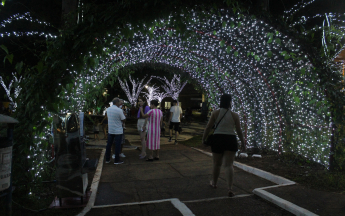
<point>210,138</point>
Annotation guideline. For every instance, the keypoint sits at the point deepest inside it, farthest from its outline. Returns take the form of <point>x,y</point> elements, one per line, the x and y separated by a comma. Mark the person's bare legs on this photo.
<point>229,157</point>
<point>157,153</point>
<point>96,135</point>
<point>176,136</point>
<point>143,143</point>
<point>105,131</point>
<point>150,156</point>
<point>217,163</point>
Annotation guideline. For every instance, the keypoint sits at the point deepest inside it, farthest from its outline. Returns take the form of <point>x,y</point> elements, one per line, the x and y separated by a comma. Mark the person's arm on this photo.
<point>123,117</point>
<point>161,123</point>
<point>105,117</point>
<point>209,125</point>
<point>180,113</point>
<point>143,115</point>
<point>239,131</point>
<point>144,127</point>
<point>170,116</point>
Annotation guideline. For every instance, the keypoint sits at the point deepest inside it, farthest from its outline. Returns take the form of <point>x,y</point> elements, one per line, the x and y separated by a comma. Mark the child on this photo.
<point>96,128</point>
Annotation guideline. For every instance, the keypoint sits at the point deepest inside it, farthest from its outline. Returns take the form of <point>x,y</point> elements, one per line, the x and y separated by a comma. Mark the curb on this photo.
<point>184,210</point>
<point>294,209</point>
<point>288,206</point>
<point>263,174</point>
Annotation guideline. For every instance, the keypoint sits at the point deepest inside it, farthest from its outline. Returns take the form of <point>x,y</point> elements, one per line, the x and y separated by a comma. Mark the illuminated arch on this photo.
<point>268,74</point>
<point>271,79</point>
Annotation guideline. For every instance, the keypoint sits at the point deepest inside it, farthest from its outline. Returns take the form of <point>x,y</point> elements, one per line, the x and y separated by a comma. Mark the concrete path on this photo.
<point>177,184</point>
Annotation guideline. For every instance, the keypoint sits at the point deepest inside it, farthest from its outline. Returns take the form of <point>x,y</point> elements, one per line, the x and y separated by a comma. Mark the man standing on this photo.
<point>123,135</point>
<point>115,130</point>
<point>174,120</point>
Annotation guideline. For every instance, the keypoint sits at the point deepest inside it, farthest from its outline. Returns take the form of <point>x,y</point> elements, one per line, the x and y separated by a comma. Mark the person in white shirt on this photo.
<point>115,130</point>
<point>123,135</point>
<point>174,120</point>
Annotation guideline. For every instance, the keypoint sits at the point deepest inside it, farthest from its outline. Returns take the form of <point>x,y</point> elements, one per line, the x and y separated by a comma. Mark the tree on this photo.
<point>17,90</point>
<point>173,88</point>
<point>137,87</point>
<point>151,94</point>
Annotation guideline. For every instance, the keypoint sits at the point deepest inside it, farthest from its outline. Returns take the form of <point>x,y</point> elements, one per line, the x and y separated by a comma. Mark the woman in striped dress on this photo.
<point>155,117</point>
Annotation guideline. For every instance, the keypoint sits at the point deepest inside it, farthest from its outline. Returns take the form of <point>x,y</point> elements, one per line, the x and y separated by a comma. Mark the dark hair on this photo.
<point>155,102</point>
<point>116,100</point>
<point>174,102</point>
<point>225,101</point>
<point>144,100</point>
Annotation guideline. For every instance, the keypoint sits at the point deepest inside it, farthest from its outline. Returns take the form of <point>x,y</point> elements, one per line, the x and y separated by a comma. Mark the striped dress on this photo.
<point>154,129</point>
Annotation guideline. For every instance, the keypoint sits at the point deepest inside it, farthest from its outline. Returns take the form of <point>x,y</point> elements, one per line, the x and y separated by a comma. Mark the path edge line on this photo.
<point>94,185</point>
<point>258,172</point>
<point>288,206</point>
<point>294,209</point>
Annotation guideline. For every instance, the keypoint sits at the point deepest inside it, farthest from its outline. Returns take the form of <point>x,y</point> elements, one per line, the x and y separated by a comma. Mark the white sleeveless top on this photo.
<point>227,124</point>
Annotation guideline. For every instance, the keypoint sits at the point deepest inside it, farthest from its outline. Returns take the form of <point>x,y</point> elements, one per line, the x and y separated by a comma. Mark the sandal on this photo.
<point>230,193</point>
<point>212,185</point>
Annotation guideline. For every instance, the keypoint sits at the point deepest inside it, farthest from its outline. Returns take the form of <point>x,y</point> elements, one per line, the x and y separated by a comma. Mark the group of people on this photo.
<point>150,120</point>
<point>150,125</point>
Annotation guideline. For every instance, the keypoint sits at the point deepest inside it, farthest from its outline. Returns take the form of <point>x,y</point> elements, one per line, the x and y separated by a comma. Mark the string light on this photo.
<point>274,88</point>
<point>151,94</point>
<point>17,89</point>
<point>137,87</point>
<point>172,88</point>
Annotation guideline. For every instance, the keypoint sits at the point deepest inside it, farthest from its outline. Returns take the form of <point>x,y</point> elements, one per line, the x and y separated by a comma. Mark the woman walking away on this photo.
<point>141,121</point>
<point>154,129</point>
<point>224,146</point>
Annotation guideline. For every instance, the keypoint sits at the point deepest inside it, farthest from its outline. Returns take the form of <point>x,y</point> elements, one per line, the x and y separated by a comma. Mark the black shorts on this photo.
<point>174,125</point>
<point>96,132</point>
<point>224,142</point>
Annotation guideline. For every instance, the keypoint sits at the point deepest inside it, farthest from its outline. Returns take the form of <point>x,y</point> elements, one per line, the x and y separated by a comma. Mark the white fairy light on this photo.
<point>17,89</point>
<point>172,88</point>
<point>137,86</point>
<point>151,94</point>
<point>226,54</point>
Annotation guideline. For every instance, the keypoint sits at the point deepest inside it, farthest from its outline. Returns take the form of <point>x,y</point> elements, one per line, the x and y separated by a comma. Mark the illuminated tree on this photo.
<point>151,94</point>
<point>17,89</point>
<point>172,88</point>
<point>137,87</point>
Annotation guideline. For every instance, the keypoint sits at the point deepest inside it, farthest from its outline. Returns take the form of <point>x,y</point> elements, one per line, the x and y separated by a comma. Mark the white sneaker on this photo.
<point>113,156</point>
<point>122,155</point>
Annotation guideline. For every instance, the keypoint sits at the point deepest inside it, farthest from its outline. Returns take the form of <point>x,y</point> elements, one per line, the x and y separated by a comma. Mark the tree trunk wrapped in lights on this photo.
<point>173,88</point>
<point>152,94</point>
<point>137,88</point>
<point>17,90</point>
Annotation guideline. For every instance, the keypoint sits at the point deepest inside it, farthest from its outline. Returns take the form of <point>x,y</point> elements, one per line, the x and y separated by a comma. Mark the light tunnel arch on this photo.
<point>268,74</point>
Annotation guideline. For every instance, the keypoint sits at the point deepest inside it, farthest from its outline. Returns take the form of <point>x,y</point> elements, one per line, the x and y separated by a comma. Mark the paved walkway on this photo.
<point>177,184</point>
<point>181,173</point>
<point>179,178</point>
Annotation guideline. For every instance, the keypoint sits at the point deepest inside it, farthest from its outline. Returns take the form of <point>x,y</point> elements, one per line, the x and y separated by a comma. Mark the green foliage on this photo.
<point>80,49</point>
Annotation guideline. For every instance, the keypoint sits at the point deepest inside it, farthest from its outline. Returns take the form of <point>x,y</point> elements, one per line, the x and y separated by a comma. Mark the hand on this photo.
<point>141,108</point>
<point>143,128</point>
